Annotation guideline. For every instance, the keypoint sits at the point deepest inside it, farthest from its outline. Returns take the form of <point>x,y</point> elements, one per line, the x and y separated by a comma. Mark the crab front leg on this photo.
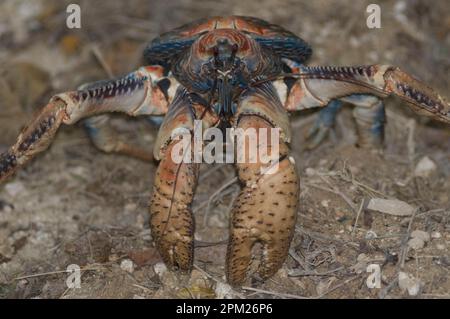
<point>365,87</point>
<point>171,219</point>
<point>265,211</point>
<point>135,94</point>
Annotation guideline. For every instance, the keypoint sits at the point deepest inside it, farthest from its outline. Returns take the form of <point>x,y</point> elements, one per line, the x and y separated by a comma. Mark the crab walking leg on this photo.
<point>323,124</point>
<point>317,86</point>
<point>369,114</point>
<point>135,94</point>
<point>370,117</point>
<point>171,219</point>
<point>265,211</point>
<point>106,139</point>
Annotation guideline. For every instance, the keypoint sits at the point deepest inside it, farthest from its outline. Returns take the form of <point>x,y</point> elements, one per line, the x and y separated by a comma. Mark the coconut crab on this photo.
<point>226,71</point>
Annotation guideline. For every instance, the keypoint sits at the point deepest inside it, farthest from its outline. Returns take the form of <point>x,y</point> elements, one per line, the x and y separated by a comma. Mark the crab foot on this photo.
<point>264,213</point>
<point>323,125</point>
<point>106,139</point>
<point>171,219</point>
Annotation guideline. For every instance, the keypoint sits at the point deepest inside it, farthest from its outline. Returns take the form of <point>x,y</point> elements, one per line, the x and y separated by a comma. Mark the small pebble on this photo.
<point>127,265</point>
<point>416,243</point>
<point>436,235</point>
<point>160,269</point>
<point>425,167</point>
<point>421,235</point>
<point>14,188</point>
<point>223,291</point>
<point>325,203</point>
<point>370,235</point>
<point>407,282</point>
<point>391,206</point>
<point>310,171</point>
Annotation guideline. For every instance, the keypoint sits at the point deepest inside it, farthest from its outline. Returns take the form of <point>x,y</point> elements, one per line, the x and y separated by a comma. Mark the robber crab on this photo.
<point>226,71</point>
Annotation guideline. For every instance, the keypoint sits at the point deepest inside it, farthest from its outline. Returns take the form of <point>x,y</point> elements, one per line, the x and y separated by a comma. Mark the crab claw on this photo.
<point>264,213</point>
<point>171,219</point>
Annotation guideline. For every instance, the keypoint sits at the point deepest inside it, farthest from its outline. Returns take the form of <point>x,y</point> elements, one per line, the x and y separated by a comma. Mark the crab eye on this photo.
<point>235,48</point>
<point>216,51</point>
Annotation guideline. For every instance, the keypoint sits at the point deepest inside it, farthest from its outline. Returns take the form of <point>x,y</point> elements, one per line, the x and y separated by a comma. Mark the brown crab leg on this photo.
<point>316,86</point>
<point>266,209</point>
<point>134,94</point>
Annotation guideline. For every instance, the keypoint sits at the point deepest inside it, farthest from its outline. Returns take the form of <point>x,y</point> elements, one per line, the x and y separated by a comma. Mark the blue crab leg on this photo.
<point>370,117</point>
<point>323,124</point>
<point>134,94</point>
<point>369,114</point>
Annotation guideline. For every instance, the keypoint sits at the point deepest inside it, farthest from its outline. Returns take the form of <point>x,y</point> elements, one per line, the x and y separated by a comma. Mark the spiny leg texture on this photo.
<point>364,87</point>
<point>134,94</point>
<point>265,212</point>
<point>34,139</point>
<point>171,219</point>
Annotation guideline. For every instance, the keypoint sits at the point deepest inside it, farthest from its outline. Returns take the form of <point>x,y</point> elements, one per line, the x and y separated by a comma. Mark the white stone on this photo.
<point>416,243</point>
<point>370,235</point>
<point>14,188</point>
<point>436,235</point>
<point>127,265</point>
<point>325,203</point>
<point>425,167</point>
<point>310,171</point>
<point>421,234</point>
<point>391,206</point>
<point>223,291</point>
<point>160,269</point>
<point>407,282</point>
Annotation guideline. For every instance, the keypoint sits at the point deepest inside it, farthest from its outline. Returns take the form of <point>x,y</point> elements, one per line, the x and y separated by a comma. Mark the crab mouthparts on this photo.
<point>225,94</point>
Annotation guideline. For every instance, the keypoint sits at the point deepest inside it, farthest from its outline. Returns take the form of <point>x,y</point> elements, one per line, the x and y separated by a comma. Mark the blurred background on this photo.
<point>77,205</point>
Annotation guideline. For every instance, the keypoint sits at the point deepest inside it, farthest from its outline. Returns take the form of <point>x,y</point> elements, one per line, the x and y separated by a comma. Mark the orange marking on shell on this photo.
<point>206,43</point>
<point>155,69</point>
<point>250,27</point>
<point>159,100</point>
<point>207,26</point>
<point>295,96</point>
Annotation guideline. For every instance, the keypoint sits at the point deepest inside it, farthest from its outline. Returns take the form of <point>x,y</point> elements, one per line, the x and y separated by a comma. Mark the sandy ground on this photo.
<point>75,205</point>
